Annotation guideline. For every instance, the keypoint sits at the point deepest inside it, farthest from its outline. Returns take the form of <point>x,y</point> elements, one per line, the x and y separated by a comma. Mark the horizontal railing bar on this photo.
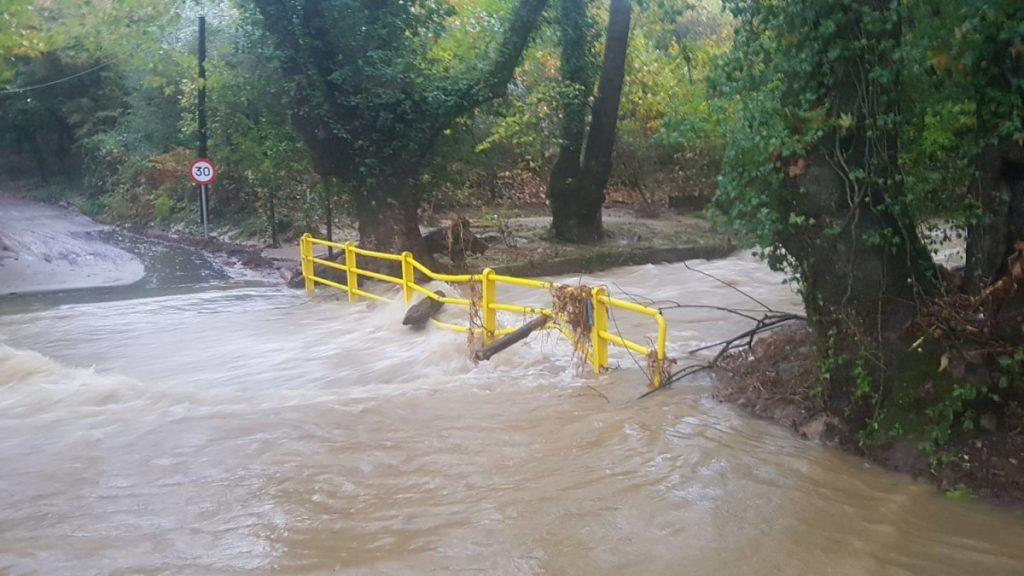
<point>626,305</point>
<point>521,309</point>
<point>359,292</point>
<point>615,339</point>
<point>331,264</point>
<point>378,276</point>
<point>522,281</point>
<point>424,291</point>
<point>330,283</point>
<point>375,254</point>
<point>445,277</point>
<point>466,330</point>
<point>448,326</point>
<point>446,299</point>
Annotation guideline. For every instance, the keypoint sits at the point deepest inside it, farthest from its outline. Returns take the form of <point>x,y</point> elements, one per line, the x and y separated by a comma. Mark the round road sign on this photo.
<point>203,172</point>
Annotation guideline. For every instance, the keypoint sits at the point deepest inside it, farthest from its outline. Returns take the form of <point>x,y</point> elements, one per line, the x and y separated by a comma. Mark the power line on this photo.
<point>100,66</point>
<point>59,80</point>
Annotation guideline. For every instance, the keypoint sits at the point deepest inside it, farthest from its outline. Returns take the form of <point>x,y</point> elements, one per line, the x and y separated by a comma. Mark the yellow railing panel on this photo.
<point>489,305</point>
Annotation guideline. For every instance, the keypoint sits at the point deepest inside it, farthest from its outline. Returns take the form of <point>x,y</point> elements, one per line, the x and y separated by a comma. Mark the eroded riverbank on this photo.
<point>779,379</point>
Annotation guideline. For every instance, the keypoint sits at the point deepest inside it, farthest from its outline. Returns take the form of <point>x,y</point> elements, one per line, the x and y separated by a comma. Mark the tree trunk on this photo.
<point>329,218</point>
<point>999,190</point>
<point>865,270</point>
<point>597,160</point>
<point>577,184</point>
<point>577,70</point>
<point>272,217</point>
<point>389,220</point>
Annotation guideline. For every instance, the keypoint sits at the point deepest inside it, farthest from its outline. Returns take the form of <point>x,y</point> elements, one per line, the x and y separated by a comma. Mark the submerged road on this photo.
<point>45,248</point>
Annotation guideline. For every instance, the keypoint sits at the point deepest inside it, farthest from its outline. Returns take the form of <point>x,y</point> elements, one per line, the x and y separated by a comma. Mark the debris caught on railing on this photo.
<point>572,305</point>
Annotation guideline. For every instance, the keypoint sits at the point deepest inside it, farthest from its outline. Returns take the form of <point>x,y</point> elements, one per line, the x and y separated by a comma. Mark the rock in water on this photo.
<point>420,312</point>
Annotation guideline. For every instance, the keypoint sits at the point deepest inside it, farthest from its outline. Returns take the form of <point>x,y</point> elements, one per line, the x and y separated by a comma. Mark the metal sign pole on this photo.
<point>202,192</point>
<point>201,109</point>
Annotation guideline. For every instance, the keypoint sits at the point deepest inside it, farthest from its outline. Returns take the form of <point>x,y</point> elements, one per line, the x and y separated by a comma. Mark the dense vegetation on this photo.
<point>858,123</point>
<point>114,140</point>
<point>837,135</point>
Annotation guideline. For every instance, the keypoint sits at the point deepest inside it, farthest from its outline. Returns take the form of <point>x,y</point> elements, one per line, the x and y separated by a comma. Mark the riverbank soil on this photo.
<point>779,379</point>
<point>520,243</point>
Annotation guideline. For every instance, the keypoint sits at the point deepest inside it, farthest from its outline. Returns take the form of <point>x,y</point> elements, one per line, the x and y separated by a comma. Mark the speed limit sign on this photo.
<point>203,172</point>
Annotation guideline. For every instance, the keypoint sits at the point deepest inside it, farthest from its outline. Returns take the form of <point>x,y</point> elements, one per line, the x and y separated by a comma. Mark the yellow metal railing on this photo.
<point>601,302</point>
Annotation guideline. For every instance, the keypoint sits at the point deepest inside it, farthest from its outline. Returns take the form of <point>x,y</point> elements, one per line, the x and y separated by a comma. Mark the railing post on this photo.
<point>352,278</point>
<point>306,259</point>
<point>599,345</point>
<point>659,370</point>
<point>488,298</point>
<point>408,276</point>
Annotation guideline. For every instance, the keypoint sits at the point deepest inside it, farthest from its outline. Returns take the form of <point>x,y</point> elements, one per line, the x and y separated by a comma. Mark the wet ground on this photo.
<point>45,248</point>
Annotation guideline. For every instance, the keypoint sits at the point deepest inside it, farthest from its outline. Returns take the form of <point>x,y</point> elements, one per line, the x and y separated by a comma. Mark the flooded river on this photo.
<point>245,428</point>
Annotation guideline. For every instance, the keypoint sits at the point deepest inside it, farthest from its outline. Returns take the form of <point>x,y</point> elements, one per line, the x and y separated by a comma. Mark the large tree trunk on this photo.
<point>865,270</point>
<point>388,217</point>
<point>577,184</point>
<point>860,298</point>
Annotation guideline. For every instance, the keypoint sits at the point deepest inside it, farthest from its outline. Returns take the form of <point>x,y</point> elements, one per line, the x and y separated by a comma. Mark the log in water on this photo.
<point>511,338</point>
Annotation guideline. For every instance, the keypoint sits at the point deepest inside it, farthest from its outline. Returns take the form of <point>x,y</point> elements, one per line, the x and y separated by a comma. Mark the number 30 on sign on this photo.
<point>203,172</point>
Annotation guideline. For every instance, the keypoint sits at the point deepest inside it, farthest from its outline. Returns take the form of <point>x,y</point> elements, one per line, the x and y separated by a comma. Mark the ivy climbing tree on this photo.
<point>370,97</point>
<point>812,174</point>
<point>817,172</point>
<point>988,59</point>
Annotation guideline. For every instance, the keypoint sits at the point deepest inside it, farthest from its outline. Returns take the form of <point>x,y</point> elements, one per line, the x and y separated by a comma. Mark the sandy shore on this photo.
<point>45,248</point>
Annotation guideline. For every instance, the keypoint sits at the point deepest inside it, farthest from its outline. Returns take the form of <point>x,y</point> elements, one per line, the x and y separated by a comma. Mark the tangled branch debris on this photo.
<point>975,330</point>
<point>571,307</point>
<point>767,321</point>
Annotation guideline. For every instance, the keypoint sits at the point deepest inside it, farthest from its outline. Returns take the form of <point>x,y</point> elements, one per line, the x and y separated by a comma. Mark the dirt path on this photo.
<point>45,248</point>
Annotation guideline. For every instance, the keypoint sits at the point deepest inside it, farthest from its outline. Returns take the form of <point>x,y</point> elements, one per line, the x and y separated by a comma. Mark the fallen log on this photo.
<point>507,340</point>
<point>420,312</point>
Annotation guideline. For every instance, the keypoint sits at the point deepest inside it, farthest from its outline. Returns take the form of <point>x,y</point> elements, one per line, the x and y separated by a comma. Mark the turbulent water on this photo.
<point>252,430</point>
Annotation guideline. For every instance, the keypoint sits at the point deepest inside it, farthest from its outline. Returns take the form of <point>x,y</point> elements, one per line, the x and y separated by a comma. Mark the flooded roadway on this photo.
<point>248,429</point>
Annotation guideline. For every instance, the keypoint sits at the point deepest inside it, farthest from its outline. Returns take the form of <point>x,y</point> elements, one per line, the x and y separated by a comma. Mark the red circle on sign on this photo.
<point>202,171</point>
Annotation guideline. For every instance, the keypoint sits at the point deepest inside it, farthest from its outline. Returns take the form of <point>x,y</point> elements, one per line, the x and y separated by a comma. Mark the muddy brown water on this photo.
<point>251,430</point>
